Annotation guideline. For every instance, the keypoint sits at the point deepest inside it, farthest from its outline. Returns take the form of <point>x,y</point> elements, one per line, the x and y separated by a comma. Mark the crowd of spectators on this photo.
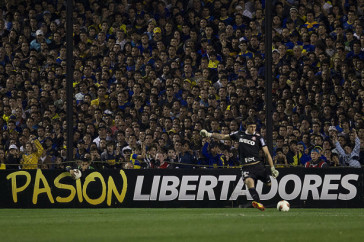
<point>149,75</point>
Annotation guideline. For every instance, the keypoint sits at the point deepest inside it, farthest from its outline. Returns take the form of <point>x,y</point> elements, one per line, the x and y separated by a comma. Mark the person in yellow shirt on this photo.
<point>7,113</point>
<point>213,61</point>
<point>133,157</point>
<point>136,159</point>
<point>101,97</point>
<point>2,160</point>
<point>33,151</point>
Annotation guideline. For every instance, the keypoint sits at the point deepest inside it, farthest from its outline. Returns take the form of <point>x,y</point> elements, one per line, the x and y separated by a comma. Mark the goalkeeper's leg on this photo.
<point>250,183</point>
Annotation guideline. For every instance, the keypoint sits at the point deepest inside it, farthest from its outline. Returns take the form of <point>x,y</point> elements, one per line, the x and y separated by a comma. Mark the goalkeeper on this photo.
<point>253,168</point>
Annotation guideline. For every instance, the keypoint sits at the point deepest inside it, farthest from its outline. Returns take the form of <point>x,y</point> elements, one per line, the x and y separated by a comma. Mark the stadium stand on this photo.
<point>149,75</point>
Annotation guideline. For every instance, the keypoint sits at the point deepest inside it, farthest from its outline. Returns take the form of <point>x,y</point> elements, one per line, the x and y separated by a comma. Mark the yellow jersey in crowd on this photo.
<point>30,161</point>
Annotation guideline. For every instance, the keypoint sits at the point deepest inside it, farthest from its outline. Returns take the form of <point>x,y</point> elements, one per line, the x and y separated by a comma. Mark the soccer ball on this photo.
<point>283,206</point>
<point>77,174</point>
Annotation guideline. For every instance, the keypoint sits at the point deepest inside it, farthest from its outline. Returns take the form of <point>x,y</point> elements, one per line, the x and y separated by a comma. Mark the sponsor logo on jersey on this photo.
<point>249,159</point>
<point>246,141</point>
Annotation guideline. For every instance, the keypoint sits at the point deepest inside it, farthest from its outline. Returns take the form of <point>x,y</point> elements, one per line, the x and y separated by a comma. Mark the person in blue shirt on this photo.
<point>311,24</point>
<point>213,154</point>
<point>35,44</point>
<point>186,156</point>
<point>356,52</point>
<point>349,23</point>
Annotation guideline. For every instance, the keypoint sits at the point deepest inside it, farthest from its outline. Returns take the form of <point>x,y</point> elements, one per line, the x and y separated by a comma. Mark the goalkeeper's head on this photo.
<point>250,125</point>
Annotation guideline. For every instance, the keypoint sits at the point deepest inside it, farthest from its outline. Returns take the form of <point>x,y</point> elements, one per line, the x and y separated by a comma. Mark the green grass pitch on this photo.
<point>224,224</point>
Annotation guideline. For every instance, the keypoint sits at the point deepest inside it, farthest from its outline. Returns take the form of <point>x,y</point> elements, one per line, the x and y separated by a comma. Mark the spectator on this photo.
<point>279,143</point>
<point>30,158</point>
<point>110,156</point>
<point>186,156</point>
<point>213,155</point>
<point>304,151</point>
<point>280,160</point>
<point>95,157</point>
<point>162,161</point>
<point>349,156</point>
<point>39,39</point>
<point>150,158</point>
<point>2,160</point>
<point>12,157</point>
<point>331,158</point>
<point>293,156</point>
<point>317,60</point>
<point>137,157</point>
<point>85,164</point>
<point>316,161</point>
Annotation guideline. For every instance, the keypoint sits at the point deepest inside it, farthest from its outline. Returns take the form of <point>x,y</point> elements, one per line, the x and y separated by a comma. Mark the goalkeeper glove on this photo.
<point>275,173</point>
<point>204,133</point>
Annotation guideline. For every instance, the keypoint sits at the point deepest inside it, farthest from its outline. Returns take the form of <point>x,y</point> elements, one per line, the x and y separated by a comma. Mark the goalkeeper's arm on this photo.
<point>218,136</point>
<point>275,173</point>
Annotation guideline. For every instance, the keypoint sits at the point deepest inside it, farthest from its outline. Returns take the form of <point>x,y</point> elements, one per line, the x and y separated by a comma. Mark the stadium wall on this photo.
<point>303,188</point>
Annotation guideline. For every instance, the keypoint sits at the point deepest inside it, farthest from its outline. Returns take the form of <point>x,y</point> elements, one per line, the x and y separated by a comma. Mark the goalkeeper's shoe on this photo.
<point>258,206</point>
